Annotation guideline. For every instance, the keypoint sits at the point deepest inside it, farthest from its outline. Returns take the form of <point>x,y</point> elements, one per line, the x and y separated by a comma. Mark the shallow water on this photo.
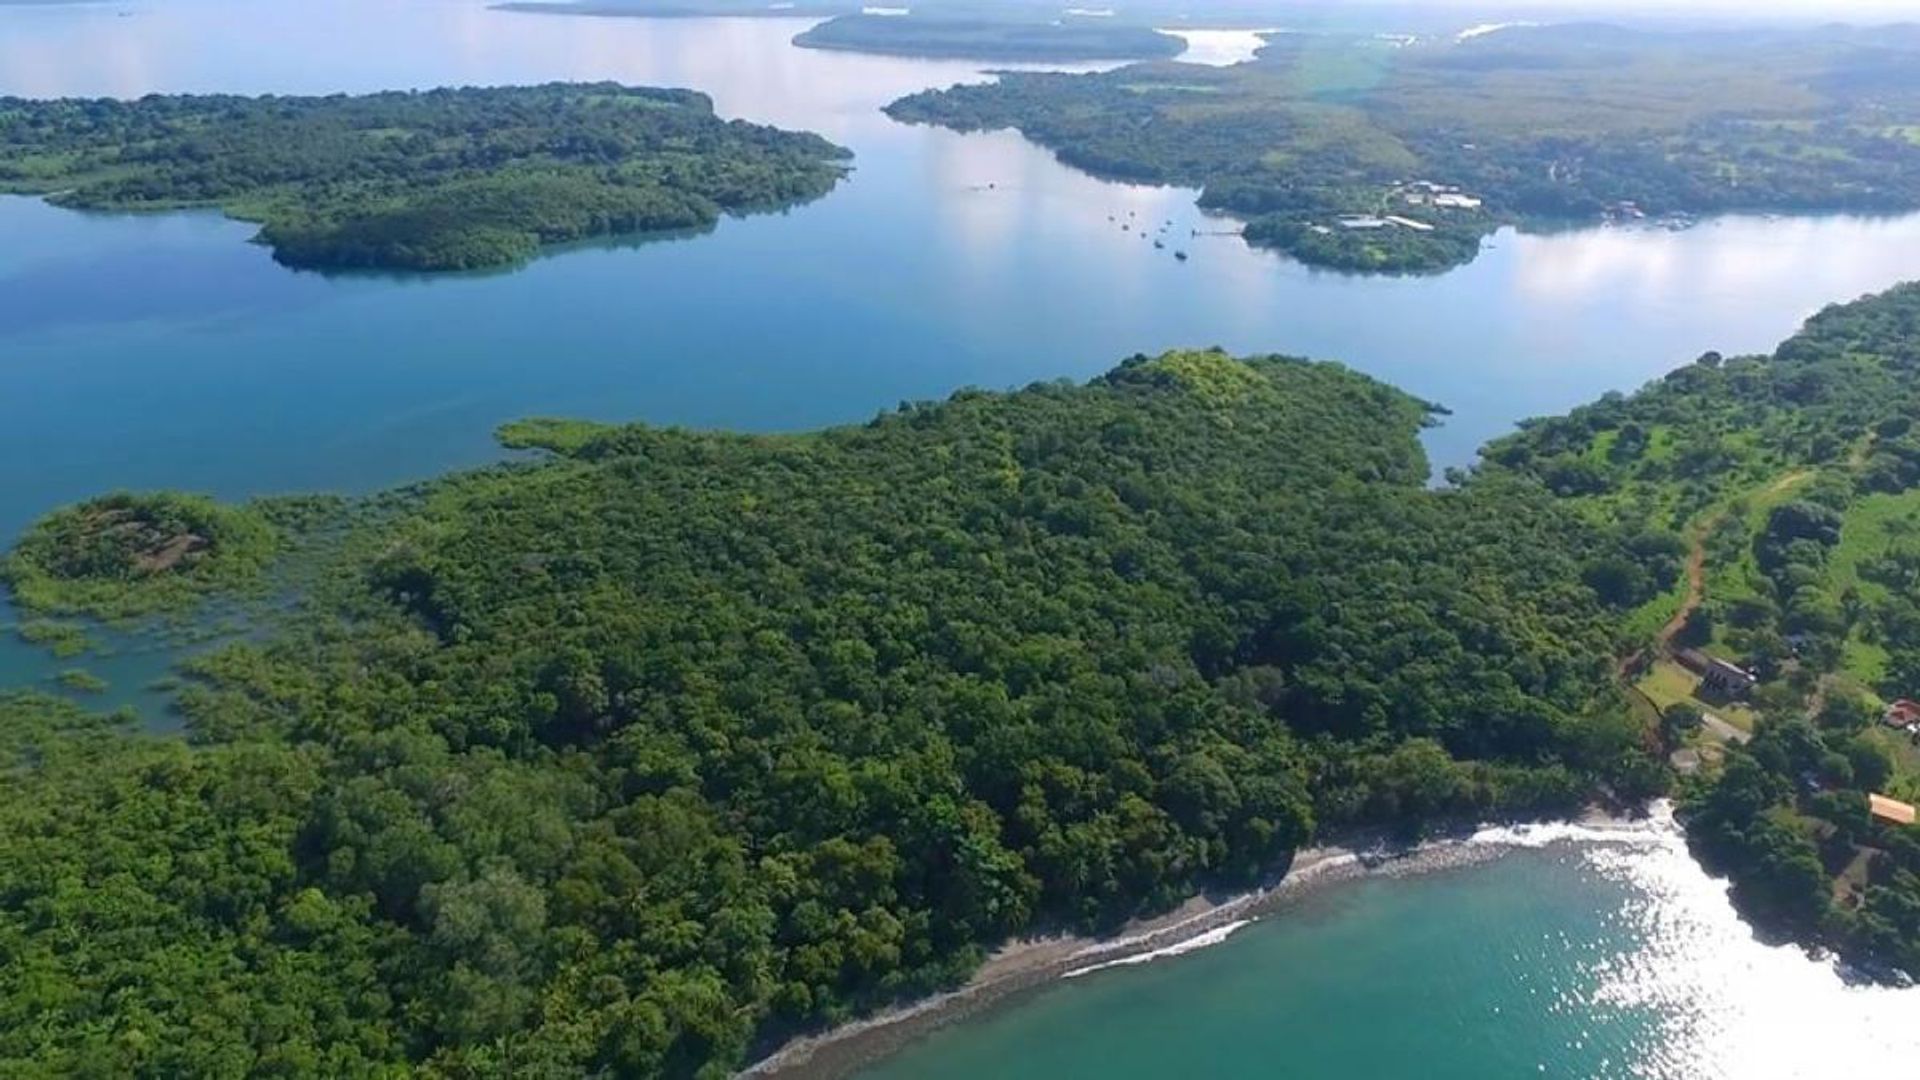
<point>1588,955</point>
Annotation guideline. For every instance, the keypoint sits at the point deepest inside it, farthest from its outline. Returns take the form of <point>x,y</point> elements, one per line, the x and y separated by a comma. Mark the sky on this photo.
<point>1827,10</point>
<point>1424,14</point>
<point>1824,10</point>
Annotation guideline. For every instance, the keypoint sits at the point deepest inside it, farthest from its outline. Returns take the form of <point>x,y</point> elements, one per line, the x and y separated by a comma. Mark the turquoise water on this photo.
<point>1579,958</point>
<point>152,351</point>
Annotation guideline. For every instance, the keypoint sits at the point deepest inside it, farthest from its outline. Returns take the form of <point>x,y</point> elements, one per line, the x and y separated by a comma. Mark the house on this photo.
<point>1902,714</point>
<point>1363,221</point>
<point>1890,810</point>
<point>1720,676</point>
<point>1453,200</point>
<point>1409,223</point>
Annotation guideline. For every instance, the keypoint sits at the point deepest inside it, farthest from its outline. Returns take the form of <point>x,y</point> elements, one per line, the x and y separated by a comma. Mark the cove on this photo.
<point>1551,951</point>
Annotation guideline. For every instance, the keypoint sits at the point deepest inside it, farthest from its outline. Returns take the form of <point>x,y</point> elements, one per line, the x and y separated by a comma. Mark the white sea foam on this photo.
<point>1143,937</point>
<point>1179,948</point>
<point>1320,868</point>
<point>1640,833</point>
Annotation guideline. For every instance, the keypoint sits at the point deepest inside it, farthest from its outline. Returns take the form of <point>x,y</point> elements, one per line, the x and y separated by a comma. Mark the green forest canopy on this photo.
<point>449,179</point>
<point>674,742</point>
<point>1560,122</point>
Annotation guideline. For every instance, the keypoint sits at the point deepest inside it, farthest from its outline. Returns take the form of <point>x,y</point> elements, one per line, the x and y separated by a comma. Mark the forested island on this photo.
<point>452,179</point>
<point>981,38</point>
<point>1371,154</point>
<point>648,753</point>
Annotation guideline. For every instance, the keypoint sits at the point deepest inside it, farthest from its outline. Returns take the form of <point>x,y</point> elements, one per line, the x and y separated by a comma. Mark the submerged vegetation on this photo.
<point>1457,137</point>
<point>436,180</point>
<point>986,38</point>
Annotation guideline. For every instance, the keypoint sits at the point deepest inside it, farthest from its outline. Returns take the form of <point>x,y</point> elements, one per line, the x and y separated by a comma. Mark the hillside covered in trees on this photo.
<point>641,756</point>
<point>1326,137</point>
<point>453,179</point>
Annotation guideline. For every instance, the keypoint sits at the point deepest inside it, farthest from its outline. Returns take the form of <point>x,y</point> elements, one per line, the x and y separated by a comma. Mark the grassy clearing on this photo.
<point>1740,576</point>
<point>1667,683</point>
<point>1872,525</point>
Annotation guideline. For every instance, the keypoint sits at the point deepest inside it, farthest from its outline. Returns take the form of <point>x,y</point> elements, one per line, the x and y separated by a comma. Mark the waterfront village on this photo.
<point>1414,195</point>
<point>1427,196</point>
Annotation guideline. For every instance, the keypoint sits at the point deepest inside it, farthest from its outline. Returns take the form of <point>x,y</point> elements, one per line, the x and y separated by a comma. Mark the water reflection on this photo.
<point>1220,48</point>
<point>238,46</point>
<point>1730,1005</point>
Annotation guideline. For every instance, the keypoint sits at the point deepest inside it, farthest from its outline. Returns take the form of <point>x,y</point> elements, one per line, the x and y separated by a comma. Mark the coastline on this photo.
<point>1031,964</point>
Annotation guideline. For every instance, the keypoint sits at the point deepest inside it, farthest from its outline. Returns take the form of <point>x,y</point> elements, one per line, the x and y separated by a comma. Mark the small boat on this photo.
<point>1157,244</point>
<point>1181,255</point>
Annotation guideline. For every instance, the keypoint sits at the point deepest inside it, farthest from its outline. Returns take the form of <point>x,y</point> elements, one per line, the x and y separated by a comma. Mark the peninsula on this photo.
<point>1372,154</point>
<point>647,754</point>
<point>455,179</point>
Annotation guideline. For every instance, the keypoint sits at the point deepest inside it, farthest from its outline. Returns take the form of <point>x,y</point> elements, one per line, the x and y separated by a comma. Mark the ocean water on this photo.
<point>1546,952</point>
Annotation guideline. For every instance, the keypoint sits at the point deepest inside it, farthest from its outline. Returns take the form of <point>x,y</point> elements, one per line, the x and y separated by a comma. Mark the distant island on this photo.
<point>943,35</point>
<point>681,9</point>
<point>1375,155</point>
<point>454,179</point>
